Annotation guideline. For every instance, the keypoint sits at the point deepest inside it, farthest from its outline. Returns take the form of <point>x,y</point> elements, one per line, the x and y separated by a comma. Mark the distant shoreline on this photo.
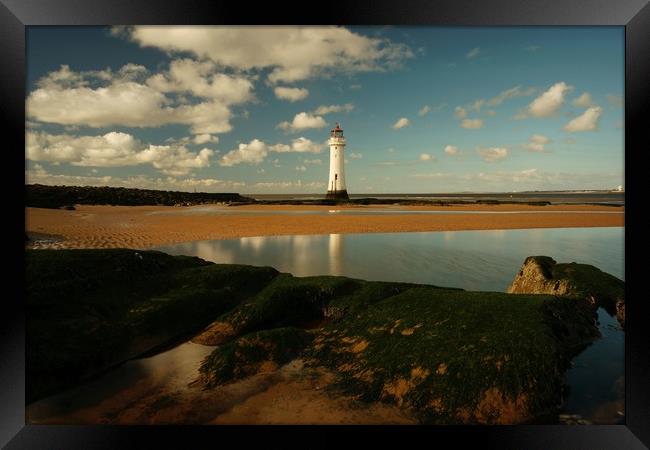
<point>91,226</point>
<point>65,197</point>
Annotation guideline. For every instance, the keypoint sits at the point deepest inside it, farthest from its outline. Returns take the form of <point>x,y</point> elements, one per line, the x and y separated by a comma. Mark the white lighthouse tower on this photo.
<point>336,189</point>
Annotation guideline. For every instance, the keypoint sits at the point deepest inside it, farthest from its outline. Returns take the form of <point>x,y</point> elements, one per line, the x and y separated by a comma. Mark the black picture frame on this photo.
<point>634,15</point>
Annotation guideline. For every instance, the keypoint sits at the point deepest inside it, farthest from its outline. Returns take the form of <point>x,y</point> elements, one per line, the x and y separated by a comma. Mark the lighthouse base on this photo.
<point>337,195</point>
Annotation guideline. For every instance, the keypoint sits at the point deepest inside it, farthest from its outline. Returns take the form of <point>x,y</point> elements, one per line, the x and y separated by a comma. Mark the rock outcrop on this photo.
<point>543,275</point>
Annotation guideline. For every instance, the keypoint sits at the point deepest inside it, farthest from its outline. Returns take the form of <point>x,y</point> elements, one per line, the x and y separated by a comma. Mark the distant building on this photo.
<point>336,189</point>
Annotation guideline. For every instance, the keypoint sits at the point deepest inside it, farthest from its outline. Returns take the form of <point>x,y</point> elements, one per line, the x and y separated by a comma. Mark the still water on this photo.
<point>472,260</point>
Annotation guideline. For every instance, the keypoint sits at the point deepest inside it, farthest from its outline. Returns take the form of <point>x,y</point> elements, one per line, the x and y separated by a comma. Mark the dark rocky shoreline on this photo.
<point>452,355</point>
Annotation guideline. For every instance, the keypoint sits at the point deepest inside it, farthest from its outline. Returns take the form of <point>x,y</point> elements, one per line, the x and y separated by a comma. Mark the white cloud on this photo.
<point>354,155</point>
<point>302,121</point>
<point>68,99</point>
<point>473,53</point>
<point>452,150</point>
<point>493,154</point>
<point>584,101</point>
<point>587,121</point>
<point>39,175</point>
<point>304,145</point>
<point>532,48</point>
<point>312,161</point>
<point>391,150</point>
<point>536,143</point>
<point>401,123</point>
<point>491,112</point>
<point>471,124</point>
<point>290,185</point>
<point>424,110</point>
<point>301,168</point>
<point>113,149</point>
<point>205,138</point>
<point>426,157</point>
<point>292,53</point>
<point>513,92</point>
<point>328,109</point>
<point>355,87</point>
<point>460,112</point>
<point>256,151</point>
<point>477,105</point>
<point>201,80</point>
<point>291,94</point>
<point>550,101</point>
<point>252,153</point>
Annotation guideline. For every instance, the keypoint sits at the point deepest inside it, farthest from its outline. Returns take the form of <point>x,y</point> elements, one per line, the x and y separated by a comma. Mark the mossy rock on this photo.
<point>542,275</point>
<point>451,355</point>
<point>455,356</point>
<point>262,351</point>
<point>88,310</point>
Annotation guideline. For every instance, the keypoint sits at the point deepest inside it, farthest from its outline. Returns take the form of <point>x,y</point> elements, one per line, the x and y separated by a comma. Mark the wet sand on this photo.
<point>147,226</point>
<point>290,395</point>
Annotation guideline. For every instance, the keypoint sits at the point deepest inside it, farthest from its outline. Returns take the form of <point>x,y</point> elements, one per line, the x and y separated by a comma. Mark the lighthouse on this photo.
<point>336,189</point>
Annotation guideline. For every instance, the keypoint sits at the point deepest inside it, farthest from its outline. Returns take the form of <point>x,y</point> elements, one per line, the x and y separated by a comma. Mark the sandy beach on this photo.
<point>147,226</point>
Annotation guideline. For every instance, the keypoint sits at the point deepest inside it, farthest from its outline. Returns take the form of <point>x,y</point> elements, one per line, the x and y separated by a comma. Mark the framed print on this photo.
<point>393,220</point>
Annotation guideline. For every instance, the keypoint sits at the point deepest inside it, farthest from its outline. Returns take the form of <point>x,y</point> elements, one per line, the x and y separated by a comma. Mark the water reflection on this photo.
<point>335,254</point>
<point>474,260</point>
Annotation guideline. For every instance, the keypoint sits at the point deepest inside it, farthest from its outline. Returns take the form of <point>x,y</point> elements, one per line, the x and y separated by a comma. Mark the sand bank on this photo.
<point>146,226</point>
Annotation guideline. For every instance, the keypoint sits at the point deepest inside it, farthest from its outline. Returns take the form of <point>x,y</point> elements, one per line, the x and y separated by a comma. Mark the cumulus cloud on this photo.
<point>471,124</point>
<point>493,154</point>
<point>301,168</point>
<point>473,53</point>
<point>424,110</point>
<point>584,101</point>
<point>426,157</point>
<point>200,79</point>
<point>452,150</point>
<point>302,121</point>
<point>291,53</point>
<point>328,109</point>
<point>291,94</point>
<point>550,101</point>
<point>587,121</point>
<point>256,151</point>
<point>354,155</point>
<point>69,98</point>
<point>312,161</point>
<point>38,174</point>
<point>401,123</point>
<point>252,153</point>
<point>460,112</point>
<point>536,143</point>
<point>205,138</point>
<point>304,145</point>
<point>113,149</point>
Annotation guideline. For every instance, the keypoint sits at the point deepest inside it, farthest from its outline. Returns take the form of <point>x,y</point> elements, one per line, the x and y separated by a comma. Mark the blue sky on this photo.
<point>247,109</point>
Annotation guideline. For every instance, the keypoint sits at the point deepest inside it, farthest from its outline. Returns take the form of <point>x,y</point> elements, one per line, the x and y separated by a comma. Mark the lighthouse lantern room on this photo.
<point>336,189</point>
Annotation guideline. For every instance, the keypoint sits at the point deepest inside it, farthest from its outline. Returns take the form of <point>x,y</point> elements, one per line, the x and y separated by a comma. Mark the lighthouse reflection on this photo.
<point>475,260</point>
<point>335,254</point>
